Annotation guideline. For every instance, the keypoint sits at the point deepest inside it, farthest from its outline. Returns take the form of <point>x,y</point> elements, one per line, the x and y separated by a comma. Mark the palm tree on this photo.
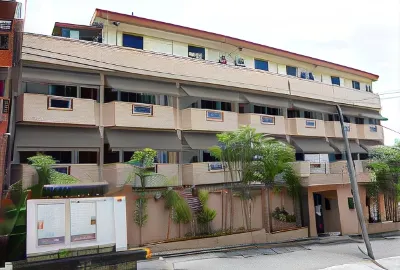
<point>275,159</point>
<point>179,210</point>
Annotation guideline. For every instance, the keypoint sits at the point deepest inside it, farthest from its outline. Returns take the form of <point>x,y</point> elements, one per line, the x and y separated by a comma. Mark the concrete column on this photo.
<point>101,127</point>
<point>312,227</point>
<point>382,212</point>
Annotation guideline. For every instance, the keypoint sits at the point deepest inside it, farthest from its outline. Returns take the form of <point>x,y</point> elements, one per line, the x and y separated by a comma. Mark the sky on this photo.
<point>364,34</point>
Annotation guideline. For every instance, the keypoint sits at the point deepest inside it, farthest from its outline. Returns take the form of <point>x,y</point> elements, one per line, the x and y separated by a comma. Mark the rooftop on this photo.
<point>163,26</point>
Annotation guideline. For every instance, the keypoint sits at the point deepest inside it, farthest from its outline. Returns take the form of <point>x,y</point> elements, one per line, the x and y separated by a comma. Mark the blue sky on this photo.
<point>356,33</point>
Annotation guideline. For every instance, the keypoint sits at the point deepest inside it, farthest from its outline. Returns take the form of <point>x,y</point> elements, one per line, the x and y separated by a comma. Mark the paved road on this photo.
<point>343,256</point>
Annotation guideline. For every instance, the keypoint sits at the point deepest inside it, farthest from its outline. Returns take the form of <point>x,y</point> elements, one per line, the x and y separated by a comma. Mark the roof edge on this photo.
<point>183,30</point>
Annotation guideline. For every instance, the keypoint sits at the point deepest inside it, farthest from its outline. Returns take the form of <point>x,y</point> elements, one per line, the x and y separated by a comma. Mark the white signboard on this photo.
<point>83,221</point>
<point>50,224</point>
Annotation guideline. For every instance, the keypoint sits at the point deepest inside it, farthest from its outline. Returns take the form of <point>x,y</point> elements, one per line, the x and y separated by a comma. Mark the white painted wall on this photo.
<point>282,69</point>
<point>157,45</point>
<point>272,67</point>
<point>341,81</point>
<point>348,83</point>
<point>180,49</point>
<point>317,77</point>
<point>212,55</point>
<point>326,79</point>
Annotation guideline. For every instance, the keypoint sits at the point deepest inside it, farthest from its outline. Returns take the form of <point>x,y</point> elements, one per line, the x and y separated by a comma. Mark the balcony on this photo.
<point>305,127</point>
<point>268,124</point>
<point>208,120</point>
<point>334,130</point>
<point>38,108</point>
<point>116,174</point>
<point>204,173</point>
<point>334,173</point>
<point>138,115</point>
<point>173,67</point>
<point>370,132</point>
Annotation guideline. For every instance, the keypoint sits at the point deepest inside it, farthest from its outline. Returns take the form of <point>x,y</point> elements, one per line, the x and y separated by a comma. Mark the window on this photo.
<point>346,119</point>
<point>293,114</point>
<point>273,111</point>
<point>292,71</point>
<point>333,117</point>
<point>368,88</point>
<point>110,95</point>
<point>207,157</point>
<point>335,80</point>
<point>359,121</point>
<point>74,34</point>
<point>2,88</point>
<point>63,91</point>
<point>216,105</point>
<point>61,157</point>
<point>109,156</point>
<point>261,64</point>
<point>259,109</point>
<point>128,155</point>
<point>3,42</point>
<point>132,41</point>
<point>59,103</point>
<point>89,93</point>
<point>374,121</point>
<point>356,85</point>
<point>312,115</point>
<point>23,156</point>
<point>65,32</point>
<point>196,52</point>
<point>138,98</point>
<point>86,157</point>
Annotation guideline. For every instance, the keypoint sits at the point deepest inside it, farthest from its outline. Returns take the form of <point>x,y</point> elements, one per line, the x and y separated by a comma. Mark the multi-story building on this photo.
<point>145,83</point>
<point>11,28</point>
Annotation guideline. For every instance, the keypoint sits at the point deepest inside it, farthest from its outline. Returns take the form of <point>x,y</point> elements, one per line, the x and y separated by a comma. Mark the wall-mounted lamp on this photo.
<point>116,23</point>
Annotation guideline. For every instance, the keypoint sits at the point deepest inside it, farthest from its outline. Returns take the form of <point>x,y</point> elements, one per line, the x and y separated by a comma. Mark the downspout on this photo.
<point>101,128</point>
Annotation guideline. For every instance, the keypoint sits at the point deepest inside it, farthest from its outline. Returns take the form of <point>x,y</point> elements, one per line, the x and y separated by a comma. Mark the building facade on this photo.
<point>11,28</point>
<point>92,95</point>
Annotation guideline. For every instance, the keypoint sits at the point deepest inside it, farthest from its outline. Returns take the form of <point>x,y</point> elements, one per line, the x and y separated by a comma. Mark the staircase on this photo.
<point>193,202</point>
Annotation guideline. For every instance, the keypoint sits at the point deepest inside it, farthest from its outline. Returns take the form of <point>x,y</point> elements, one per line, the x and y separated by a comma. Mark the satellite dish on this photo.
<point>157,196</point>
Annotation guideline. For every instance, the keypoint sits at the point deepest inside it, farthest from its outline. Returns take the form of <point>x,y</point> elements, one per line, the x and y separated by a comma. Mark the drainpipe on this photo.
<point>101,128</point>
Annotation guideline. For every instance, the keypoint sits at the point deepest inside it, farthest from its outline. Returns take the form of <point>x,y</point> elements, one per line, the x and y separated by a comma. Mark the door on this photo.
<point>319,219</point>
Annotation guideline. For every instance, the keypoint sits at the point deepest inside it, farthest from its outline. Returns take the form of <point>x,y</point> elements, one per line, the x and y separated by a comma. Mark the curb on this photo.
<point>295,242</point>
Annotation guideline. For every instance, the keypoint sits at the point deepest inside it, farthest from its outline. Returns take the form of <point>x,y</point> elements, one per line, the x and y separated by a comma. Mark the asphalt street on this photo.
<point>339,256</point>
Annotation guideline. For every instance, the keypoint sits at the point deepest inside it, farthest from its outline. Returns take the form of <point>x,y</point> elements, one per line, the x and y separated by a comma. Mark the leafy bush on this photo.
<point>283,215</point>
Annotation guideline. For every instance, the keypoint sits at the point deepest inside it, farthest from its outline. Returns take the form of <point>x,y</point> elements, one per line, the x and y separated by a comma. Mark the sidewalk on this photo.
<point>292,243</point>
<point>388,263</point>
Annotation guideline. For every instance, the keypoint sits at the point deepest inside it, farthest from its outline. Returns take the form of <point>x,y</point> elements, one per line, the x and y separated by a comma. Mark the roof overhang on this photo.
<point>168,27</point>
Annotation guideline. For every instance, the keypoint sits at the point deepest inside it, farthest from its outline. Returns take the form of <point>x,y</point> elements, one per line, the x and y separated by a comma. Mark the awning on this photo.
<point>315,107</point>
<point>200,141</point>
<point>340,147</point>
<point>267,100</point>
<point>131,140</point>
<point>312,145</point>
<point>370,145</point>
<point>212,93</point>
<point>30,74</point>
<point>142,86</point>
<point>43,138</point>
<point>362,113</point>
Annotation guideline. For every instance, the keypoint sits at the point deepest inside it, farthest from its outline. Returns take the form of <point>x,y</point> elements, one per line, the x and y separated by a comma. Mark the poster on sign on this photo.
<point>83,221</point>
<point>50,224</point>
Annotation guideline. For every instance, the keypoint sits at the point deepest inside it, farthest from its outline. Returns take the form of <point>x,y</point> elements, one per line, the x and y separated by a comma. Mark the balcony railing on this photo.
<point>269,124</point>
<point>126,114</point>
<point>57,110</point>
<point>305,127</point>
<point>370,132</point>
<point>334,130</point>
<point>208,120</point>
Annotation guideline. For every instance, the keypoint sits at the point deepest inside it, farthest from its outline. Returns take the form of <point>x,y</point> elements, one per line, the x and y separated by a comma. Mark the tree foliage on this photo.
<point>206,215</point>
<point>143,167</point>
<point>385,168</point>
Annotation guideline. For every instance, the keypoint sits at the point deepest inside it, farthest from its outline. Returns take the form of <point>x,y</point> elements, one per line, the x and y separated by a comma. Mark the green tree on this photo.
<point>385,167</point>
<point>237,150</point>
<point>179,210</point>
<point>143,167</point>
<point>206,215</point>
<point>275,159</point>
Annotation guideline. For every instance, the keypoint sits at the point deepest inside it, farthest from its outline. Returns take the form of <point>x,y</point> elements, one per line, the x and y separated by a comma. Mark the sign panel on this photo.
<point>83,221</point>
<point>267,120</point>
<point>215,166</point>
<point>142,109</point>
<point>50,224</point>
<point>214,116</point>
<point>311,124</point>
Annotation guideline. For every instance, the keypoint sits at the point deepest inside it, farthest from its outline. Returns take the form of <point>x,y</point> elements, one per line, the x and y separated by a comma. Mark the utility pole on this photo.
<point>354,187</point>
